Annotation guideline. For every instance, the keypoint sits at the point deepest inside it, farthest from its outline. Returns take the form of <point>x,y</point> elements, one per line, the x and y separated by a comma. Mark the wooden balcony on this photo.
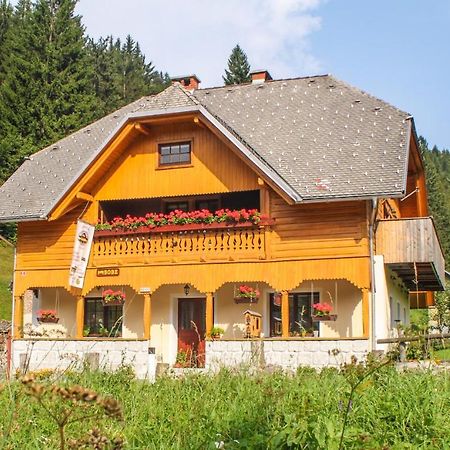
<point>411,248</point>
<point>180,244</point>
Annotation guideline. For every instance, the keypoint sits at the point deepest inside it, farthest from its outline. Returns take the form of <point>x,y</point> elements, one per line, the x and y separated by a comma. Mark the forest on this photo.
<point>54,79</point>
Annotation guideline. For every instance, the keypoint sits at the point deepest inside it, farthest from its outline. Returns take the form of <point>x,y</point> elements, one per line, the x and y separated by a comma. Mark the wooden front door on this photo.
<point>191,332</point>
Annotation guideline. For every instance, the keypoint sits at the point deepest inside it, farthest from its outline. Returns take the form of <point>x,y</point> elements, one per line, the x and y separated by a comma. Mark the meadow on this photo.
<point>239,410</point>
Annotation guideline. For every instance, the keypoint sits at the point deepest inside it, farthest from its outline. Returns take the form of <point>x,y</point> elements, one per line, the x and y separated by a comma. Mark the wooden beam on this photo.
<point>80,317</point>
<point>18,317</point>
<point>143,129</point>
<point>285,314</point>
<point>198,122</point>
<point>147,315</point>
<point>366,312</point>
<point>85,196</point>
<point>209,312</point>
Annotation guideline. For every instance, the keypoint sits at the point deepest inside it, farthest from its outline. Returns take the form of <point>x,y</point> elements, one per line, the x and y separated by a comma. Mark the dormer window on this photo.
<point>174,153</point>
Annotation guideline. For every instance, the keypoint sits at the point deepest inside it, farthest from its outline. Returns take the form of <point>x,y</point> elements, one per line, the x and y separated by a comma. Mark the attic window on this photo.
<point>174,154</point>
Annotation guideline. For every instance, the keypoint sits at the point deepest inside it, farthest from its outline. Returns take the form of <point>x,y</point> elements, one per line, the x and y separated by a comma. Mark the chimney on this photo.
<point>189,82</point>
<point>260,76</point>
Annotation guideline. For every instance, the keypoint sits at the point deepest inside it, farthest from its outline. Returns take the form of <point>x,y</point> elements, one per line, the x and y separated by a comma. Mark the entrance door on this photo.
<point>191,332</point>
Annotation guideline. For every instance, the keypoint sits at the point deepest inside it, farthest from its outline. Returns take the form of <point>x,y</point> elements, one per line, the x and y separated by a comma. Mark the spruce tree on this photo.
<point>47,90</point>
<point>6,11</point>
<point>238,67</point>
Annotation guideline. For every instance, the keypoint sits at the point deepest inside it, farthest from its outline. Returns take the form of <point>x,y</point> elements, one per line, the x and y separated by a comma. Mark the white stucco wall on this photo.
<point>391,302</point>
<point>38,354</point>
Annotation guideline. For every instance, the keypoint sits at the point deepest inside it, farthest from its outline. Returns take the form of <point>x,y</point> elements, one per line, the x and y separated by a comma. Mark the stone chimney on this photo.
<point>260,76</point>
<point>189,82</point>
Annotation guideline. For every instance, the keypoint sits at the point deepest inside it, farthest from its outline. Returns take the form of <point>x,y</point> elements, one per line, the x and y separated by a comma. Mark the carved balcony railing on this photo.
<point>411,248</point>
<point>186,243</point>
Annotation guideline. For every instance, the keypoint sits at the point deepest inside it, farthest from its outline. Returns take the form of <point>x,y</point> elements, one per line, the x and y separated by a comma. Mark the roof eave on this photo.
<point>356,197</point>
<point>33,218</point>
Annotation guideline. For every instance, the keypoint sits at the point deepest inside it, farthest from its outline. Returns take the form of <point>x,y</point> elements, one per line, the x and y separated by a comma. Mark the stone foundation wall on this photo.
<point>288,354</point>
<point>38,354</point>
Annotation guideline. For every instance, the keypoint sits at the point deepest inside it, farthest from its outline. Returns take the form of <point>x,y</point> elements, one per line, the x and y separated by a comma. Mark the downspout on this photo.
<point>372,271</point>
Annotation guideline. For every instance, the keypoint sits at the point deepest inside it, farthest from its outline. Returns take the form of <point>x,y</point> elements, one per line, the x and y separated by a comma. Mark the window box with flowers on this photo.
<point>110,297</point>
<point>246,294</point>
<point>47,316</point>
<point>181,220</point>
<point>322,312</point>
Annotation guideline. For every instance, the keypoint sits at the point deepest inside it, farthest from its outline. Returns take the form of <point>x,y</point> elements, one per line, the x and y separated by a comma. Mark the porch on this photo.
<point>175,323</point>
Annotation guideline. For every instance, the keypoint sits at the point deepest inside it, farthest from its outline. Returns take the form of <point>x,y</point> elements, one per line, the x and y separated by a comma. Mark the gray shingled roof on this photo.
<point>322,137</point>
<point>326,138</point>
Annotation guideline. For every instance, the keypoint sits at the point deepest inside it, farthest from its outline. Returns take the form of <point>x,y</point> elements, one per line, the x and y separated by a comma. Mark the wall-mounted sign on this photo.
<point>81,252</point>
<point>108,272</point>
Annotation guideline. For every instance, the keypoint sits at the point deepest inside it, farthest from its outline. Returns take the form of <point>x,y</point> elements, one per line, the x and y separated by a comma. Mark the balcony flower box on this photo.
<point>179,229</point>
<point>47,316</point>
<point>181,221</point>
<point>246,294</point>
<point>113,298</point>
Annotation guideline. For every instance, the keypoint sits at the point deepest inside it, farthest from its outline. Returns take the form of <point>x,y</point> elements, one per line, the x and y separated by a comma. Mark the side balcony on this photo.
<point>186,243</point>
<point>411,248</point>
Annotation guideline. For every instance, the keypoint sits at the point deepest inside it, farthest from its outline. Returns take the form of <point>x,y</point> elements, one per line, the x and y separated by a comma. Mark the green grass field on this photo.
<point>391,410</point>
<point>6,272</point>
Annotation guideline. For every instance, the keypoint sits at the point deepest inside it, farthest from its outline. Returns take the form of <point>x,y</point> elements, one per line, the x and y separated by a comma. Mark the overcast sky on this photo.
<point>398,50</point>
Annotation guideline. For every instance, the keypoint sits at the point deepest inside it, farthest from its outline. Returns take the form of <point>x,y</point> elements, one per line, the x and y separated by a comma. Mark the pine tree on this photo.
<point>121,73</point>
<point>47,90</point>
<point>238,67</point>
<point>6,12</point>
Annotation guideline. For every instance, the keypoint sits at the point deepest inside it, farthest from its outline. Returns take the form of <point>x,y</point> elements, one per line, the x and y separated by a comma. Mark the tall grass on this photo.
<point>390,410</point>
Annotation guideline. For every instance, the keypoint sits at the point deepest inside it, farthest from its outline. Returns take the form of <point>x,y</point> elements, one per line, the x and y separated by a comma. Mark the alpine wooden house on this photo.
<point>280,218</point>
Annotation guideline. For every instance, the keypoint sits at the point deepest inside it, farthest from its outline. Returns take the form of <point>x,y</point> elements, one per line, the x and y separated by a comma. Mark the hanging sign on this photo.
<point>81,252</point>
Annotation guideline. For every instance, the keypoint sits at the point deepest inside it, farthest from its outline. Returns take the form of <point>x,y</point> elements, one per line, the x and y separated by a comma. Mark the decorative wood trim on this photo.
<point>84,196</point>
<point>143,129</point>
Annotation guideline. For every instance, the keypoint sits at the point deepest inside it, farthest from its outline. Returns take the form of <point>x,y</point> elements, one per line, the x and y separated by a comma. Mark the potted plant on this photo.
<point>322,312</point>
<point>47,316</point>
<point>110,297</point>
<point>247,294</point>
<point>216,333</point>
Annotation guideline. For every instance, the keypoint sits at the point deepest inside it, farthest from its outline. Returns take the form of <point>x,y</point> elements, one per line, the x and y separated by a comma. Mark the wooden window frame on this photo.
<point>191,201</point>
<point>293,298</point>
<point>103,318</point>
<point>175,165</point>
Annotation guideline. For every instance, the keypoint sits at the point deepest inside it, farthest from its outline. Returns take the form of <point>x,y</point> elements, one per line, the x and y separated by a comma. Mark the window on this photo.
<point>101,320</point>
<point>300,314</point>
<point>173,206</point>
<point>211,204</point>
<point>173,154</point>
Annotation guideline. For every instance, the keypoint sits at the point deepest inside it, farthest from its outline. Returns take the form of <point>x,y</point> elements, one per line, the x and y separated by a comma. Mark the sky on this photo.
<point>398,50</point>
